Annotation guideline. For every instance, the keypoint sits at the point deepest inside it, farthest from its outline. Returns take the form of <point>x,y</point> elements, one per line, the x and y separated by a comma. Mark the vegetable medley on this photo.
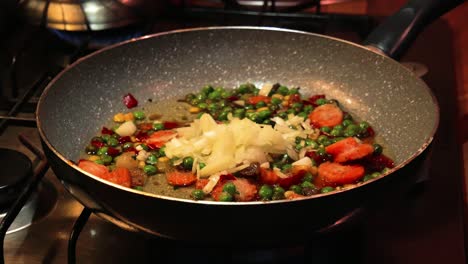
<point>242,144</point>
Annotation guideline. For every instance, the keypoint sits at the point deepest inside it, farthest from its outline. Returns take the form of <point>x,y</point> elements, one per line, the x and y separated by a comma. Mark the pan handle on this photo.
<point>395,35</point>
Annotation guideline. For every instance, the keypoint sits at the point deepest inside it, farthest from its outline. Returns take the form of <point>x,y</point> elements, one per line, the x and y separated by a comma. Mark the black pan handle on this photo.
<point>395,35</point>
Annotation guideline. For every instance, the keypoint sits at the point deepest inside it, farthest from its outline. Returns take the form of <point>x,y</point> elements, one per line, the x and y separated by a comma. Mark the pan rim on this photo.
<point>253,203</point>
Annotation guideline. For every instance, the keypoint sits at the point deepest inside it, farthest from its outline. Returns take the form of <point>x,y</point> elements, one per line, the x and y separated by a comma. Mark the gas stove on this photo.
<point>52,227</point>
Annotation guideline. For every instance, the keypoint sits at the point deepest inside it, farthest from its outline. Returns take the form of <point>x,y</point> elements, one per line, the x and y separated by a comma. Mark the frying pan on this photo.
<point>401,108</point>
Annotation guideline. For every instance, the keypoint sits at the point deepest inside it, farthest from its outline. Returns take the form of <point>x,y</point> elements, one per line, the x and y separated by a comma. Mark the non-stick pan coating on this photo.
<point>79,101</point>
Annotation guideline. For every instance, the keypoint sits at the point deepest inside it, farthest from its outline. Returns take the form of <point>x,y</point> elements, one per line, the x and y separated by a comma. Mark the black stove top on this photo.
<point>424,225</point>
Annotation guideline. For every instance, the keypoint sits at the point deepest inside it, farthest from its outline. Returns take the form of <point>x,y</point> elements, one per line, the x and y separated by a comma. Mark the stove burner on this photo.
<point>16,169</point>
<point>99,39</point>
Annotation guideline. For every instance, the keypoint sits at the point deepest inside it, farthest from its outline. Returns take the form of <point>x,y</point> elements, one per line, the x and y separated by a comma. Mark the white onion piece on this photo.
<point>265,165</point>
<point>238,168</point>
<point>306,161</point>
<point>212,181</point>
<point>279,173</point>
<point>265,90</point>
<point>126,129</point>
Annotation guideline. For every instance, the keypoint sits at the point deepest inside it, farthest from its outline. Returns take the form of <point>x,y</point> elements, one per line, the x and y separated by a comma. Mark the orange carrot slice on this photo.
<point>332,174</point>
<point>268,176</point>
<point>120,176</point>
<point>159,138</point>
<point>349,149</point>
<point>93,168</point>
<point>258,99</point>
<point>179,178</point>
<point>326,115</point>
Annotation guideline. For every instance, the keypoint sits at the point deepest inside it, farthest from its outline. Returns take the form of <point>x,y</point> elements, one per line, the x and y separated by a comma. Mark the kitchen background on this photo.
<point>429,227</point>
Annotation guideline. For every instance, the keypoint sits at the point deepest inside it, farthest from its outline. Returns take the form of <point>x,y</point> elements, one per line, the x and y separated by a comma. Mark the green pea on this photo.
<point>253,116</point>
<point>113,142</point>
<point>377,149</point>
<point>187,163</point>
<point>162,152</point>
<point>144,147</point>
<point>99,162</point>
<point>276,101</point>
<point>363,125</point>
<point>202,105</point>
<point>139,115</point>
<point>283,115</point>
<point>230,188</point>
<point>207,89</point>
<point>249,107</point>
<point>223,116</point>
<point>293,91</point>
<point>213,107</point>
<point>321,151</point>
<point>260,104</point>
<point>265,192</point>
<point>283,90</point>
<point>198,194</point>
<point>273,107</point>
<point>245,88</point>
<point>296,188</point>
<point>278,193</point>
<point>268,122</point>
<point>307,184</point>
<point>297,106</point>
<point>106,159</point>
<point>298,147</point>
<point>127,145</point>
<point>239,112</point>
<point>367,177</point>
<point>308,108</point>
<point>385,170</point>
<point>311,143</point>
<point>158,126</point>
<point>201,165</point>
<point>264,114</point>
<point>322,139</point>
<point>321,101</point>
<point>336,132</point>
<point>325,129</point>
<point>347,122</point>
<point>201,97</point>
<point>105,138</point>
<point>337,139</point>
<point>91,150</point>
<point>152,159</point>
<point>351,130</point>
<point>139,188</point>
<point>291,111</point>
<point>304,115</point>
<point>222,103</point>
<point>214,95</point>
<point>102,151</point>
<point>150,169</point>
<point>327,189</point>
<point>376,174</point>
<point>286,167</point>
<point>226,197</point>
<point>308,177</point>
<point>226,94</point>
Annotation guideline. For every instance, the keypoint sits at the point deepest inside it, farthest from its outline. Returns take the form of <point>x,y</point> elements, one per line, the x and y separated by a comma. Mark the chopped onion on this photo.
<point>238,168</point>
<point>265,90</point>
<point>280,173</point>
<point>265,165</point>
<point>126,129</point>
<point>212,181</point>
<point>306,161</point>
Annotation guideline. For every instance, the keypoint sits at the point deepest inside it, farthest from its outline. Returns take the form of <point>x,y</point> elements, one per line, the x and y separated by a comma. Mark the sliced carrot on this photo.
<point>326,115</point>
<point>268,176</point>
<point>201,183</point>
<point>120,176</point>
<point>179,178</point>
<point>259,98</point>
<point>159,138</point>
<point>247,191</point>
<point>93,168</point>
<point>349,149</point>
<point>145,126</point>
<point>332,174</point>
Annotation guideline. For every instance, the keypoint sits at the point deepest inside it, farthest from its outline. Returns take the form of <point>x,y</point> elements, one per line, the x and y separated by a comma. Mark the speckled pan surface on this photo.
<point>375,88</point>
